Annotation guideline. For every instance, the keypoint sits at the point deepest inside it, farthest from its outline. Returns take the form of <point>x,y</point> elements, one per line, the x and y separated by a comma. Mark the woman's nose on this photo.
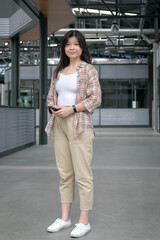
<point>72,46</point>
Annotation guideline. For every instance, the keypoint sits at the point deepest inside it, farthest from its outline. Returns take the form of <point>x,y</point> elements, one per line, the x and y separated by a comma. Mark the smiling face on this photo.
<point>72,49</point>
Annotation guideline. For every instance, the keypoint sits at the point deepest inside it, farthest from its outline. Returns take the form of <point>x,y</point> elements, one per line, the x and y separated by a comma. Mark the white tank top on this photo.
<point>66,88</point>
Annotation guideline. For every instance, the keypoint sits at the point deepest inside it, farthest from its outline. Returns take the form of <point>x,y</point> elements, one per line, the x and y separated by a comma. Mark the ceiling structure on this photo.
<point>15,18</point>
<point>8,9</point>
<point>110,27</point>
<point>22,17</point>
<point>57,12</point>
<point>117,26</point>
<point>14,12</point>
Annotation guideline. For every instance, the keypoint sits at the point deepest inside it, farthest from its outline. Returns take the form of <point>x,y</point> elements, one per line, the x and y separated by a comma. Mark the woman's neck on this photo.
<point>71,68</point>
<point>74,63</point>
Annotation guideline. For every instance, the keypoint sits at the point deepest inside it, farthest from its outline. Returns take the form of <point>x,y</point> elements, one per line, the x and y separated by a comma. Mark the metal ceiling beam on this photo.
<point>143,12</point>
<point>124,32</point>
<point>142,20</point>
<point>127,22</point>
<point>146,39</point>
<point>119,16</point>
<point>106,5</point>
<point>32,7</point>
<point>103,40</point>
<point>156,27</point>
<point>110,41</point>
<point>92,5</point>
<point>116,7</point>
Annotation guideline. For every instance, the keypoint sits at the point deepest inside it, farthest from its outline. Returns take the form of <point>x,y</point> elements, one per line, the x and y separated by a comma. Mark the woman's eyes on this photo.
<point>77,44</point>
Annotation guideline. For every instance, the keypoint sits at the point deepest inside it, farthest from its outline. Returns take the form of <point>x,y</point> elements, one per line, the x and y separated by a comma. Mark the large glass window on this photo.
<point>132,93</point>
<point>29,93</point>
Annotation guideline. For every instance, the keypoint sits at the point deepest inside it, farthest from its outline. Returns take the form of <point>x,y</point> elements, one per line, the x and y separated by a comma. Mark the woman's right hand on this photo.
<point>51,110</point>
<point>63,111</point>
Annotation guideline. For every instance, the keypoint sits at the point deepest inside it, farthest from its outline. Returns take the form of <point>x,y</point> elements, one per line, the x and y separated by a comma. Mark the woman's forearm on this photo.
<point>80,107</point>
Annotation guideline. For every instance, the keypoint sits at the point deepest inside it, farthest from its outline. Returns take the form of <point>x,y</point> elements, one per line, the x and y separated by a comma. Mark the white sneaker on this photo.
<point>80,230</point>
<point>58,225</point>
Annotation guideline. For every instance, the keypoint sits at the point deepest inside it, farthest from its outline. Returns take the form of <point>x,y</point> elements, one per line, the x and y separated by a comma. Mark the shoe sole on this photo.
<point>80,235</point>
<point>50,231</point>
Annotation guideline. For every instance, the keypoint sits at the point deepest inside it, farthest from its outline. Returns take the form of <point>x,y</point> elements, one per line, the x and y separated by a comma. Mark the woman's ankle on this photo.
<point>84,222</point>
<point>65,219</point>
<point>84,215</point>
<point>66,208</point>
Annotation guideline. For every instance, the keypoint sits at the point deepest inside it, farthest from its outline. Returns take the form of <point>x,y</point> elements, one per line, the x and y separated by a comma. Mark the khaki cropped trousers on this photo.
<point>73,158</point>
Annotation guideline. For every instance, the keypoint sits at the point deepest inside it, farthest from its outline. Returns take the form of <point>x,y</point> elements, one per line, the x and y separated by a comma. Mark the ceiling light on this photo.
<point>25,49</point>
<point>74,10</point>
<point>105,12</point>
<point>0,52</point>
<point>92,10</point>
<point>82,10</point>
<point>131,14</point>
<point>53,45</point>
<point>6,43</point>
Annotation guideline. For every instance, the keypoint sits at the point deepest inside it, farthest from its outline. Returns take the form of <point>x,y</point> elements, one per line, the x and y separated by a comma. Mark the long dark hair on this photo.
<point>64,59</point>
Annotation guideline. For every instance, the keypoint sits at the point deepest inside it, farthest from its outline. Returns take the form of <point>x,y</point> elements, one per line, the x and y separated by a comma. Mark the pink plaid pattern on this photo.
<point>88,93</point>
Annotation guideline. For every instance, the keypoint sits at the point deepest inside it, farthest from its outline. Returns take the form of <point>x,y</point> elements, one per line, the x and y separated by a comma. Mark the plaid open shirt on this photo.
<point>88,93</point>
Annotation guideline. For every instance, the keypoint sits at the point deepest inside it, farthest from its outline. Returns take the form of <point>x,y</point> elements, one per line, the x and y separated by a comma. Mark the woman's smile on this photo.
<point>72,52</point>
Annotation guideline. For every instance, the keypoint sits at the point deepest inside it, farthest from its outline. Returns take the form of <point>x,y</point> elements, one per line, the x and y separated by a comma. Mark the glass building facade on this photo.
<point>128,93</point>
<point>124,92</point>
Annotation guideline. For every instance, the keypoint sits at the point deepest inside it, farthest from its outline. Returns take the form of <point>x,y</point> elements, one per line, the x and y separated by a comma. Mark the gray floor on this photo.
<point>126,168</point>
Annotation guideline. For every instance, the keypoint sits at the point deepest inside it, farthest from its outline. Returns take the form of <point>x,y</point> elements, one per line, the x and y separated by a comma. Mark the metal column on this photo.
<point>43,79</point>
<point>158,98</point>
<point>15,90</point>
<point>2,94</point>
<point>155,88</point>
<point>150,87</point>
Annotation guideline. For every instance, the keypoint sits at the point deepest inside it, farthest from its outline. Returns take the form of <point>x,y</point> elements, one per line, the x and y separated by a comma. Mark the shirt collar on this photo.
<point>82,63</point>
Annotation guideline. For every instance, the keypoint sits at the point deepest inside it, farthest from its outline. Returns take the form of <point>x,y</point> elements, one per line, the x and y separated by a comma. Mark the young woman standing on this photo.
<point>74,93</point>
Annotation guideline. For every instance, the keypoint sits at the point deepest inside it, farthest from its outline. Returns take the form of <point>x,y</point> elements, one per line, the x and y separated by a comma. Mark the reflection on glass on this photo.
<point>123,93</point>
<point>29,93</point>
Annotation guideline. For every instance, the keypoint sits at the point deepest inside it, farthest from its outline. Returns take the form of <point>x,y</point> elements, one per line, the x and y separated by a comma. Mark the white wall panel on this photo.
<point>7,76</point>
<point>97,68</point>
<point>29,72</point>
<point>96,118</point>
<point>124,71</point>
<point>125,117</point>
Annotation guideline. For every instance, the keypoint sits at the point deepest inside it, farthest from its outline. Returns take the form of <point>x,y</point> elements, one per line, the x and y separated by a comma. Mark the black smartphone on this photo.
<point>55,109</point>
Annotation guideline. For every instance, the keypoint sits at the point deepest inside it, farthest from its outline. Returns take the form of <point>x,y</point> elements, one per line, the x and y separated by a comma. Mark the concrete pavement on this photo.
<point>126,167</point>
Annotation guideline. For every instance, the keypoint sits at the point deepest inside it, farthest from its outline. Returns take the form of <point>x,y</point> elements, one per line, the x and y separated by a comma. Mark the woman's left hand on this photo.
<point>63,111</point>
